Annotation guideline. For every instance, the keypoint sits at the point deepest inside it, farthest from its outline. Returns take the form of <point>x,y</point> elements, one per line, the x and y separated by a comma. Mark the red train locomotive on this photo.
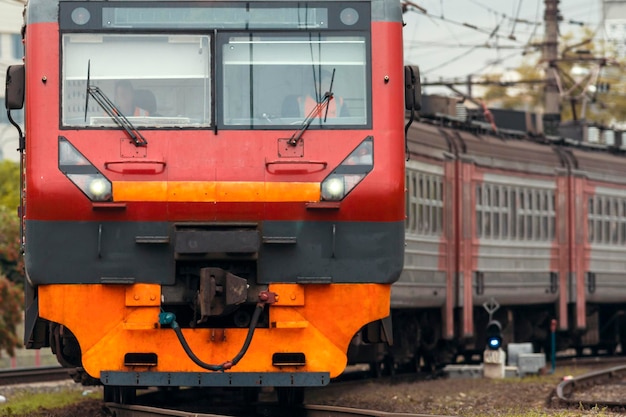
<point>232,170</point>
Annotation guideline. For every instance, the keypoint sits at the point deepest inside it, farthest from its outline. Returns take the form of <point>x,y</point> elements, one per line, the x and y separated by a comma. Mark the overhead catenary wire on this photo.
<point>495,39</point>
<point>441,54</point>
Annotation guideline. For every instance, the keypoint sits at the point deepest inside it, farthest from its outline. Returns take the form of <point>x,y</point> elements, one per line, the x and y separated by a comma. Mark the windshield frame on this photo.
<point>314,71</point>
<point>357,23</point>
<point>73,76</point>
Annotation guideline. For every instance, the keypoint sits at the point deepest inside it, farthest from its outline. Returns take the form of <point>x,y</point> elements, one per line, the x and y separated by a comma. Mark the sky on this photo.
<point>445,48</point>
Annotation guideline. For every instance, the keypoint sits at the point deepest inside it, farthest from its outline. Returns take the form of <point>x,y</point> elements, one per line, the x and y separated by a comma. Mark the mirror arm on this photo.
<point>412,99</point>
<point>22,143</point>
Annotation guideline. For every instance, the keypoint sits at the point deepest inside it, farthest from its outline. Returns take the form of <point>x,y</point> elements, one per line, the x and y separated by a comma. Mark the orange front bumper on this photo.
<point>318,320</point>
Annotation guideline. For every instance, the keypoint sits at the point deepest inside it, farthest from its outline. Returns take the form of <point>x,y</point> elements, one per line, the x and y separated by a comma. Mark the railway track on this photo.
<point>32,375</point>
<point>119,410</point>
<point>603,388</point>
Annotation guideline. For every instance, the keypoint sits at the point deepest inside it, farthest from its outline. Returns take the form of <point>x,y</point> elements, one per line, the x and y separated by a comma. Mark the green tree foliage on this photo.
<point>9,184</point>
<point>11,301</point>
<point>11,260</point>
<point>605,105</point>
<point>526,95</point>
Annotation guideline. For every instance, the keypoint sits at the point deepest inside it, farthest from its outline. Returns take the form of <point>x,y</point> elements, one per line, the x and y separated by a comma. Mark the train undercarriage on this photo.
<point>418,345</point>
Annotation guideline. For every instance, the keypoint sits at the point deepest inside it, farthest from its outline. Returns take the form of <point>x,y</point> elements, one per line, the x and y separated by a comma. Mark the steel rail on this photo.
<point>331,411</point>
<point>566,389</point>
<point>121,410</point>
<point>31,375</point>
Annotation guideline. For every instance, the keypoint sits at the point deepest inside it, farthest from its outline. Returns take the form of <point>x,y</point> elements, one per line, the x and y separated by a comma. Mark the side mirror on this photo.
<point>412,88</point>
<point>15,83</point>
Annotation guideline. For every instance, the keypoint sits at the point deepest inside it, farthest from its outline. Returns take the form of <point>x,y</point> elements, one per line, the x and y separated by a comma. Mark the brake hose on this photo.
<point>170,318</point>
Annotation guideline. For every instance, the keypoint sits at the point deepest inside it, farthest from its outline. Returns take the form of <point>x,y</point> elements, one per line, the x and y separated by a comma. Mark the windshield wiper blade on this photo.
<point>316,112</point>
<point>309,119</point>
<point>117,116</point>
<point>113,112</point>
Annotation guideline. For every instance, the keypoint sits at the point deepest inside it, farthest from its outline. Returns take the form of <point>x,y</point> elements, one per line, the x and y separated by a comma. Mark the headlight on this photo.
<point>333,188</point>
<point>349,173</point>
<point>99,187</point>
<point>82,173</point>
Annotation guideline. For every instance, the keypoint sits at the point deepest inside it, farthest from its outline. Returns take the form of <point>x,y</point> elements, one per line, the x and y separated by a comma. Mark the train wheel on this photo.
<point>250,394</point>
<point>290,396</point>
<point>376,369</point>
<point>128,395</point>
<point>109,394</point>
<point>386,366</point>
<point>120,395</point>
<point>390,365</point>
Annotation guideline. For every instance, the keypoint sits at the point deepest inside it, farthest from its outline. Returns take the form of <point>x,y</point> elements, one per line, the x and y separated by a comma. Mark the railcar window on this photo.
<point>528,221</point>
<point>275,80</point>
<point>505,212</point>
<point>166,79</point>
<point>411,202</point>
<point>424,203</point>
<point>509,212</point>
<point>606,223</point>
<point>606,220</point>
<point>622,222</point>
<point>614,230</point>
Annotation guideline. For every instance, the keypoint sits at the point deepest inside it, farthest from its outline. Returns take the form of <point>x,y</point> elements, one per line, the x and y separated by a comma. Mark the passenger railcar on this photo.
<point>229,217</point>
<point>535,224</point>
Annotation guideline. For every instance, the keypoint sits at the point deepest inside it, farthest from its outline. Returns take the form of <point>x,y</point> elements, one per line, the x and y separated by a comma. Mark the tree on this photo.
<point>523,95</point>
<point>9,184</point>
<point>11,260</point>
<point>604,101</point>
<point>11,301</point>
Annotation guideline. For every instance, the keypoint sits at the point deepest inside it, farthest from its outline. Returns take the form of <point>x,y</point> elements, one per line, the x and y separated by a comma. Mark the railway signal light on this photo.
<point>494,335</point>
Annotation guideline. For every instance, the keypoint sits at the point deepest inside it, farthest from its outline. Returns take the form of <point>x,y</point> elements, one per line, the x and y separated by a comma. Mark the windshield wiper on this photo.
<point>113,112</point>
<point>317,110</point>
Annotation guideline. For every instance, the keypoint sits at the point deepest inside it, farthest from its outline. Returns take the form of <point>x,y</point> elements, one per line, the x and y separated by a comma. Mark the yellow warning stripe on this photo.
<point>215,191</point>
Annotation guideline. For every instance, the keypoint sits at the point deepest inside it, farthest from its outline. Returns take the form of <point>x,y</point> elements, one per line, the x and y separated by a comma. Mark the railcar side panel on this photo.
<point>423,281</point>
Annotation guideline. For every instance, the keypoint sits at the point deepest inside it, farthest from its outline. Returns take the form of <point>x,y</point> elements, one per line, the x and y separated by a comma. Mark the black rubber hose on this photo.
<point>229,364</point>
<point>253,322</point>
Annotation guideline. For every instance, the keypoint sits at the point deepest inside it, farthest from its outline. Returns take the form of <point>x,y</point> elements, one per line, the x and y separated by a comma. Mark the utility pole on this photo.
<point>549,55</point>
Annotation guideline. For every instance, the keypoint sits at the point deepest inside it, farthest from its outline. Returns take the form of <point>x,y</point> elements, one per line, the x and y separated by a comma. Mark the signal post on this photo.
<point>494,362</point>
<point>494,358</point>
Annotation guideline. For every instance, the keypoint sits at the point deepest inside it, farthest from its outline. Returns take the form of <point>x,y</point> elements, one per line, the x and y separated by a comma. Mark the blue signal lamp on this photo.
<point>494,335</point>
<point>494,343</point>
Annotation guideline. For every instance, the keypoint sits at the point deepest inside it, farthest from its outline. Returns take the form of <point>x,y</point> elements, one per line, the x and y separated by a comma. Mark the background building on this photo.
<point>11,52</point>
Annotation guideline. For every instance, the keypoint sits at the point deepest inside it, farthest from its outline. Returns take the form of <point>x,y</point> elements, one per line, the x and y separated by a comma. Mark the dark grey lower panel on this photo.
<point>337,252</point>
<point>215,379</point>
<point>67,252</point>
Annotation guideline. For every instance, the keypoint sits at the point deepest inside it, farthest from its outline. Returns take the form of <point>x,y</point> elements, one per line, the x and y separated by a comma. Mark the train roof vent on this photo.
<point>593,134</point>
<point>620,140</point>
<point>461,111</point>
<point>517,121</point>
<point>572,130</point>
<point>439,106</point>
<point>585,132</point>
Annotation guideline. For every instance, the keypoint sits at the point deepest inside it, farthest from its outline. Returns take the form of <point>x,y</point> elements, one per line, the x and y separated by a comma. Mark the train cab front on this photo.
<point>217,199</point>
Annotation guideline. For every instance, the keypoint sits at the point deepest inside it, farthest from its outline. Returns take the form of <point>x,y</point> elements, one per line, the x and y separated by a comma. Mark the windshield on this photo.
<point>155,80</point>
<point>277,80</point>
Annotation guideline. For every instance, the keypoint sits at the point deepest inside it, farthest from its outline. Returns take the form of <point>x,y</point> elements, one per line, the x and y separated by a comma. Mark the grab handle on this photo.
<point>136,167</point>
<point>298,166</point>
